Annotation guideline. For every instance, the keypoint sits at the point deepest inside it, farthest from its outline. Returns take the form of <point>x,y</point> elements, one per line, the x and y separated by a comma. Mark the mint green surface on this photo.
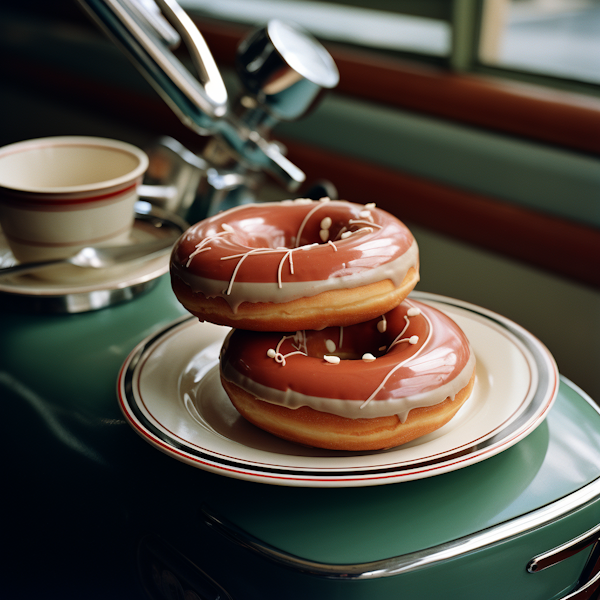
<point>354,525</point>
<point>72,362</point>
<point>72,358</point>
<point>84,489</point>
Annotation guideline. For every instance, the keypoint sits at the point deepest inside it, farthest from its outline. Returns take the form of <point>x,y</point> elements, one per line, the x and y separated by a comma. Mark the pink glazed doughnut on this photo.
<point>369,386</point>
<point>296,264</point>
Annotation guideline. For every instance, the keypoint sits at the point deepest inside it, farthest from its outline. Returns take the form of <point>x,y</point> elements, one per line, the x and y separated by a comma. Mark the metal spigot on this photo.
<point>283,71</point>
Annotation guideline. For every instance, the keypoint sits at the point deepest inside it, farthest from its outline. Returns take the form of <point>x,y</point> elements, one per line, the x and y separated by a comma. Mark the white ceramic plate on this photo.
<point>169,391</point>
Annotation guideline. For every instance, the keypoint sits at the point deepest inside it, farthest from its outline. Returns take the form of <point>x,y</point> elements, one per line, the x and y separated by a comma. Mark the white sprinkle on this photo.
<point>334,360</point>
<point>365,214</point>
<point>414,311</point>
<point>326,223</point>
<point>325,199</point>
<point>382,325</point>
<point>330,345</point>
<point>227,227</point>
<point>303,201</point>
<point>413,339</point>
<point>324,235</point>
<point>332,244</point>
<point>271,353</point>
<point>368,357</point>
<point>346,234</point>
<point>370,205</point>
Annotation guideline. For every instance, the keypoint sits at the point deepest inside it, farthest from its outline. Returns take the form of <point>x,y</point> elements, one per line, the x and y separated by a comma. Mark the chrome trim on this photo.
<point>398,565</point>
<point>564,551</point>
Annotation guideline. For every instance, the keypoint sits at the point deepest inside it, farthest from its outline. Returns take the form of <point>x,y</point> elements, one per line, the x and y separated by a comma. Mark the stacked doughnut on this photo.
<point>326,350</point>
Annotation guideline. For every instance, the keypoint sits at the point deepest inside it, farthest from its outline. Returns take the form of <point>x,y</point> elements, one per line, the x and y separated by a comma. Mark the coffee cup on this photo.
<point>60,194</point>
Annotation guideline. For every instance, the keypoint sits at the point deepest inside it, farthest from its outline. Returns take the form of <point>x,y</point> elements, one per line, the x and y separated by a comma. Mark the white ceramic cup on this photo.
<point>60,194</point>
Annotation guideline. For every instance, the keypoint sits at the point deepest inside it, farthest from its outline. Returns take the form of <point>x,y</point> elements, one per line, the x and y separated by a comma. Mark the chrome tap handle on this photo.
<point>198,106</point>
<point>148,11</point>
<point>200,54</point>
<point>285,70</point>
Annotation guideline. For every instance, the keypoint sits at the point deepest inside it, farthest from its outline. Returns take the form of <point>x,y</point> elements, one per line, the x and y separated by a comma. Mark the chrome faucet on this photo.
<point>283,72</point>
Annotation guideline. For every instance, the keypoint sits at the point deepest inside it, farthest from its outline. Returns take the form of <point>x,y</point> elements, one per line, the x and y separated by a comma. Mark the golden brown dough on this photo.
<point>323,430</point>
<point>335,307</point>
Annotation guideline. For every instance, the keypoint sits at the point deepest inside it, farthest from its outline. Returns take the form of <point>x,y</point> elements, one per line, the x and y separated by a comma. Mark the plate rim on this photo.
<point>530,418</point>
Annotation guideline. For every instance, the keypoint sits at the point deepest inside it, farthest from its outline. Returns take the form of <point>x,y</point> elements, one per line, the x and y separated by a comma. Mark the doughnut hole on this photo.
<point>277,236</point>
<point>356,342</point>
<point>311,234</point>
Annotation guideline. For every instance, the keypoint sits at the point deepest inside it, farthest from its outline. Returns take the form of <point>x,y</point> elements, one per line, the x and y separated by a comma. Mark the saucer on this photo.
<point>82,290</point>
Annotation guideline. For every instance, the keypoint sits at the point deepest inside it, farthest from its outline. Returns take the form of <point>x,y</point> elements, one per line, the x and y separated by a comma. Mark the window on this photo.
<point>379,25</point>
<point>559,38</point>
<point>527,39</point>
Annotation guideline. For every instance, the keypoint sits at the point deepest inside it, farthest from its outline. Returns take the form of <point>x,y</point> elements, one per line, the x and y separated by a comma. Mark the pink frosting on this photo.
<point>430,361</point>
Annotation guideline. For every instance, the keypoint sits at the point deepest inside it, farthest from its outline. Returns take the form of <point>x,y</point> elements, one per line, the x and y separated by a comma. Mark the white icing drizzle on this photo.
<point>287,255</point>
<point>242,258</point>
<point>309,214</point>
<point>397,338</point>
<point>275,353</point>
<point>341,232</point>
<point>202,246</point>
<point>325,226</point>
<point>345,233</point>
<point>400,364</point>
<point>394,270</point>
<point>367,357</point>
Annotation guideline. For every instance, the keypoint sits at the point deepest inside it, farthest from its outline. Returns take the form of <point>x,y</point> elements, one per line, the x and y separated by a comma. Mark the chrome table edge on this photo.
<point>417,560</point>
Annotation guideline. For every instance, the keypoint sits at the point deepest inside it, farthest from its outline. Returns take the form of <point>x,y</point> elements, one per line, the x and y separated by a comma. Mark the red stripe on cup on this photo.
<point>22,199</point>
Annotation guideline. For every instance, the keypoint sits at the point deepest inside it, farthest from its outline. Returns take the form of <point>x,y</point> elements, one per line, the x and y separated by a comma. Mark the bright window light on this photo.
<point>355,25</point>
